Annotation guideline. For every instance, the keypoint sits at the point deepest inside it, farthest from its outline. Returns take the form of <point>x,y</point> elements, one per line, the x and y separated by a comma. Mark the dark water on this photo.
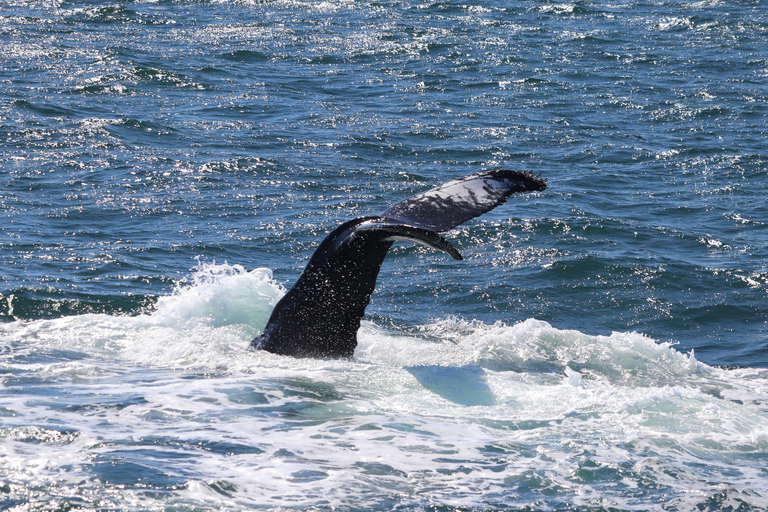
<point>153,153</point>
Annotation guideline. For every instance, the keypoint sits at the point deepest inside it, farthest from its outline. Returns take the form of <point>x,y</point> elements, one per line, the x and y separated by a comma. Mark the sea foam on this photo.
<point>457,411</point>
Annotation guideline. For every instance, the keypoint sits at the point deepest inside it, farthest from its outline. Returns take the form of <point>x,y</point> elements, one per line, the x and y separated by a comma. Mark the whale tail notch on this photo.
<point>320,315</point>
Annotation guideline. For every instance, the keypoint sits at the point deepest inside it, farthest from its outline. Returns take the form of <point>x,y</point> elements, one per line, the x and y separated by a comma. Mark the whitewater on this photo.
<point>169,407</point>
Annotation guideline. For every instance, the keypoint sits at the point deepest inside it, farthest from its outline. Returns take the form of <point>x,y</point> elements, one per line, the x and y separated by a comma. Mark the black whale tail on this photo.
<point>320,315</point>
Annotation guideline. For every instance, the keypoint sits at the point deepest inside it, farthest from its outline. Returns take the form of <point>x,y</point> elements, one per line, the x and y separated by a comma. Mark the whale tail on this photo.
<point>320,315</point>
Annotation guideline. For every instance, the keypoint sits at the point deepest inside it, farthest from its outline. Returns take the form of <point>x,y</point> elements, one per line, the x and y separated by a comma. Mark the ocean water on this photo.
<point>168,167</point>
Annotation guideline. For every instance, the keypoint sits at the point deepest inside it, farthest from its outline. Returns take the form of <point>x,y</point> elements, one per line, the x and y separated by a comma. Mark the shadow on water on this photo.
<point>465,385</point>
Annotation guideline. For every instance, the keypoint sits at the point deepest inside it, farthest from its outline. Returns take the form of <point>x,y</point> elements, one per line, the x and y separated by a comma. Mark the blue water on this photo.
<point>168,168</point>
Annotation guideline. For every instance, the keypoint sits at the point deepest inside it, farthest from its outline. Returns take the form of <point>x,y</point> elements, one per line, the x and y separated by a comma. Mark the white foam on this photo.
<point>456,413</point>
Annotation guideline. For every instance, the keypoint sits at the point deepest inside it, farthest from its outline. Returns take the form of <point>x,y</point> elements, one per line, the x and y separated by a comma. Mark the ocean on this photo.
<point>169,166</point>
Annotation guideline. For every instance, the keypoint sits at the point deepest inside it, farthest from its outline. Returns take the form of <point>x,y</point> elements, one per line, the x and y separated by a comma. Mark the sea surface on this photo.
<point>168,167</point>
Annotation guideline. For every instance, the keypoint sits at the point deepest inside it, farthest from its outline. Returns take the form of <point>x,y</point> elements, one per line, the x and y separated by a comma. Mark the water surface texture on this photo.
<point>168,167</point>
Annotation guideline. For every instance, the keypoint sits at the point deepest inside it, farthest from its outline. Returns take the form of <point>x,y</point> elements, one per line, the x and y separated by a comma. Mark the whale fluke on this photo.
<point>445,207</point>
<point>321,313</point>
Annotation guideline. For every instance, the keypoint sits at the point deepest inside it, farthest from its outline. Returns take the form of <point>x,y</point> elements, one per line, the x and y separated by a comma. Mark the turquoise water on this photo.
<point>169,167</point>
